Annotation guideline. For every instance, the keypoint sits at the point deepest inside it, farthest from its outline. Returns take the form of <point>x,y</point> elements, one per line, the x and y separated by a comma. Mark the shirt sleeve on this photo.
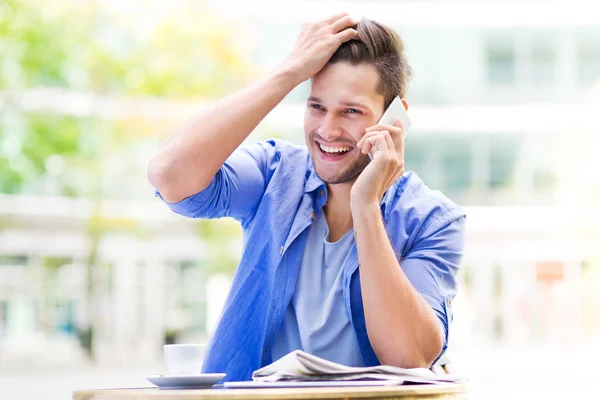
<point>236,189</point>
<point>433,262</point>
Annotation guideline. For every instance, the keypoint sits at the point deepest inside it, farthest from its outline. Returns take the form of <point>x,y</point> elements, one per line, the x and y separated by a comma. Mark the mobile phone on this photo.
<point>395,111</point>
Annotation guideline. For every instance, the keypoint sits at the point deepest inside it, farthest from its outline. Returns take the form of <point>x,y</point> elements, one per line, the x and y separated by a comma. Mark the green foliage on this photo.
<point>40,146</point>
<point>35,45</point>
<point>88,48</point>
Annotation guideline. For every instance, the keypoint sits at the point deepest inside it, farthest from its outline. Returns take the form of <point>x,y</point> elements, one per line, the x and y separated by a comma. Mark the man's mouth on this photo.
<point>333,151</point>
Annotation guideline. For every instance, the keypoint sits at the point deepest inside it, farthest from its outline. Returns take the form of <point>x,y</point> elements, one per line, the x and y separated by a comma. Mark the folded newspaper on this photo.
<point>301,366</point>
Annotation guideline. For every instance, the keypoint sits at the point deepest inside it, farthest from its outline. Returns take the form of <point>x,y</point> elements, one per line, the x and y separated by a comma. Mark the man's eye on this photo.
<point>352,111</point>
<point>316,106</point>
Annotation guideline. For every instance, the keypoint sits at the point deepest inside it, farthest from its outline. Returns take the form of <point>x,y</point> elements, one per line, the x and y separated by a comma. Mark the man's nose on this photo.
<point>330,128</point>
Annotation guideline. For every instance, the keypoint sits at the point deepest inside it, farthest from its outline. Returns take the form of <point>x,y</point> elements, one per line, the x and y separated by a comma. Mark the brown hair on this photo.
<point>381,46</point>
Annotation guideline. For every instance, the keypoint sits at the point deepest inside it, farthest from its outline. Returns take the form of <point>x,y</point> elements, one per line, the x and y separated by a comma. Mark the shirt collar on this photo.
<point>312,182</point>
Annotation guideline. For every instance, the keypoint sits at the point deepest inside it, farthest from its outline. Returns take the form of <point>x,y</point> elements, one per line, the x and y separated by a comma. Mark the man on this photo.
<point>346,258</point>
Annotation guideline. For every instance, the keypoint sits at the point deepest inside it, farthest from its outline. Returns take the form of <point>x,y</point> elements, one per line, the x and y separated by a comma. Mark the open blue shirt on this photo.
<point>316,320</point>
<point>273,190</point>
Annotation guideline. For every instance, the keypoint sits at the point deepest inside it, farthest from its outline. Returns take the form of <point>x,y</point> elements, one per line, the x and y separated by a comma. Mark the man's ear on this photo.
<point>405,104</point>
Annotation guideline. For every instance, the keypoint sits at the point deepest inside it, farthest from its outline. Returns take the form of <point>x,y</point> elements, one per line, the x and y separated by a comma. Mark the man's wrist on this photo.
<point>288,75</point>
<point>364,208</point>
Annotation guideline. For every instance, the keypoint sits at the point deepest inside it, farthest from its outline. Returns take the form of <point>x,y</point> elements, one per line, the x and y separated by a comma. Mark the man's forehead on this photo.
<point>346,84</point>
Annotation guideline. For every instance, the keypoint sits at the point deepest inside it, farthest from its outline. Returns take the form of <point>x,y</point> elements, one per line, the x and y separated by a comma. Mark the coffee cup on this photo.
<point>184,359</point>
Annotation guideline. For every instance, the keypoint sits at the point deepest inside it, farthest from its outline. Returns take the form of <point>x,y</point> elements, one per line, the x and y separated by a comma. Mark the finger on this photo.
<point>381,127</point>
<point>399,170</point>
<point>400,125</point>
<point>377,143</point>
<point>343,23</point>
<point>398,157</point>
<point>346,35</point>
<point>398,154</point>
<point>364,143</point>
<point>368,144</point>
<point>389,141</point>
<point>395,131</point>
<point>333,18</point>
<point>380,142</point>
<point>399,139</point>
<point>368,135</point>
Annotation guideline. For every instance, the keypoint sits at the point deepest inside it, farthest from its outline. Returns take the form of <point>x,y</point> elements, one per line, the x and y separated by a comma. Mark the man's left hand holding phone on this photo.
<point>384,142</point>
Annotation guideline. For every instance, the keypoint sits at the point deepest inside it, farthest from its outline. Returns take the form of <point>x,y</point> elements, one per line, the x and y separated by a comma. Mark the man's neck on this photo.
<point>337,210</point>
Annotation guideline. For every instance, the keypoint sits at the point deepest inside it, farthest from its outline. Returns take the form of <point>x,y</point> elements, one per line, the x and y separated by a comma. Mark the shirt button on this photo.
<point>322,193</point>
<point>448,302</point>
<point>313,216</point>
<point>281,250</point>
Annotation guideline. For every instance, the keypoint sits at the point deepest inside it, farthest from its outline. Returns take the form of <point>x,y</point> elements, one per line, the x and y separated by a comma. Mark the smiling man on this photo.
<point>346,258</point>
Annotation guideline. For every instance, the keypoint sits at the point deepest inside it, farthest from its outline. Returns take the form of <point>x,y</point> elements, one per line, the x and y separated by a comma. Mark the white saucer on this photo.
<point>185,381</point>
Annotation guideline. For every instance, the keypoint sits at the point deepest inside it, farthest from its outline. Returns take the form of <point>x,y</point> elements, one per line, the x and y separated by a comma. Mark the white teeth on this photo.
<point>330,149</point>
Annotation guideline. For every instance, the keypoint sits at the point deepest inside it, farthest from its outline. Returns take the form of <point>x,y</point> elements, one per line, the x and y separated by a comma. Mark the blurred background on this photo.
<point>96,274</point>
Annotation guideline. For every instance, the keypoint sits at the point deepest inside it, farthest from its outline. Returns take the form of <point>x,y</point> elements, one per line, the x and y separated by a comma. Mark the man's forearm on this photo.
<point>193,154</point>
<point>403,329</point>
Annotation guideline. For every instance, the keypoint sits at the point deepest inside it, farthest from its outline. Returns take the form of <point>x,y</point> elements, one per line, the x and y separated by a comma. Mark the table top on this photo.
<point>450,391</point>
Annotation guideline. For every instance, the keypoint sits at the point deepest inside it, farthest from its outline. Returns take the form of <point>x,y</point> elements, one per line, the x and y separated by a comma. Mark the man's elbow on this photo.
<point>161,176</point>
<point>416,361</point>
<point>432,349</point>
<point>423,355</point>
<point>157,174</point>
<point>173,182</point>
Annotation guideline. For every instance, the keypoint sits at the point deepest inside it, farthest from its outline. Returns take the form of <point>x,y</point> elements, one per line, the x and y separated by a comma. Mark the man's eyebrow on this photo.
<point>344,103</point>
<point>354,104</point>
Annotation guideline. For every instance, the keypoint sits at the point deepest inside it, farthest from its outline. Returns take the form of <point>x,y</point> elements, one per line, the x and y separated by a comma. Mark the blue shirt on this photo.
<point>273,190</point>
<point>316,320</point>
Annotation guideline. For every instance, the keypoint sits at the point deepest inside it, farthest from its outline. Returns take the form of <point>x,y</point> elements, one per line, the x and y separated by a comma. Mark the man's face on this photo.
<point>343,102</point>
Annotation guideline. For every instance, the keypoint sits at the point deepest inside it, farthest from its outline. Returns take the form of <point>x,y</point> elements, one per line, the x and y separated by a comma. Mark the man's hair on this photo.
<point>382,47</point>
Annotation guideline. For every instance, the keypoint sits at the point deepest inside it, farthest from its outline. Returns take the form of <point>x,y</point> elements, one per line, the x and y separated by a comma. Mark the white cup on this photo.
<point>184,359</point>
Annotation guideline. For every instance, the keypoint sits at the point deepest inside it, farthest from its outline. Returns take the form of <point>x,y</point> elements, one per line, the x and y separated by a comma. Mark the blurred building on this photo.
<point>148,284</point>
<point>504,99</point>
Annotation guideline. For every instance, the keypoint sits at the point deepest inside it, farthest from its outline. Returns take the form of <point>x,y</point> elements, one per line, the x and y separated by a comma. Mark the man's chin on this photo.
<point>346,176</point>
<point>347,173</point>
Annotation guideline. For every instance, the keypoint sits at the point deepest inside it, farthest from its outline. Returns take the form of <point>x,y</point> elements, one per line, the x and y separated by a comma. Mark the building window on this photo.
<point>543,61</point>
<point>456,165</point>
<point>63,316</point>
<point>443,162</point>
<point>503,159</point>
<point>500,60</point>
<point>588,62</point>
<point>415,155</point>
<point>13,260</point>
<point>3,316</point>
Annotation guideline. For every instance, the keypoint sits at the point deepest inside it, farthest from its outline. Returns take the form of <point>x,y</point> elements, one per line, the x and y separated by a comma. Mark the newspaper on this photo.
<point>301,366</point>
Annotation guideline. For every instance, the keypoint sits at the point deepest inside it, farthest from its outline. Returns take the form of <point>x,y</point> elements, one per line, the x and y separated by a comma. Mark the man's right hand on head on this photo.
<point>316,44</point>
<point>188,162</point>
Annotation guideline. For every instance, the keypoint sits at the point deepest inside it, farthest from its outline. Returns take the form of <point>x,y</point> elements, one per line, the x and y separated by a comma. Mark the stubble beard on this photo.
<point>347,175</point>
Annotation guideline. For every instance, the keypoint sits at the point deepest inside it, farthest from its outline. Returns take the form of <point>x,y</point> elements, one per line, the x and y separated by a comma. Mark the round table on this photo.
<point>405,392</point>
